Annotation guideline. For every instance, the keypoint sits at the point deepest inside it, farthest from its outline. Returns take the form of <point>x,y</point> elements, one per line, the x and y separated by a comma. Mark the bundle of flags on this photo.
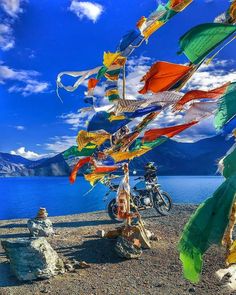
<point>160,92</point>
<point>114,137</point>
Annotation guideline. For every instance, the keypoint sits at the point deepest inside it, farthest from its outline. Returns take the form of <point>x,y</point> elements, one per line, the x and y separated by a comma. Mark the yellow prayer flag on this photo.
<point>116,118</point>
<point>93,177</point>
<point>152,28</point>
<point>109,58</point>
<point>96,138</point>
<point>129,155</point>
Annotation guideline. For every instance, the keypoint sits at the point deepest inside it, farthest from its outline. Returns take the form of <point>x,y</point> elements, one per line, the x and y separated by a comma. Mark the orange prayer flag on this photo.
<point>200,94</point>
<point>79,165</point>
<point>140,22</point>
<point>232,11</point>
<point>162,76</point>
<point>179,5</point>
<point>92,83</point>
<point>169,132</point>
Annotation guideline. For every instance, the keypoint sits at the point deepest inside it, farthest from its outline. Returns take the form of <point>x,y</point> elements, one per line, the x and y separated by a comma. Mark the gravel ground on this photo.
<point>158,271</point>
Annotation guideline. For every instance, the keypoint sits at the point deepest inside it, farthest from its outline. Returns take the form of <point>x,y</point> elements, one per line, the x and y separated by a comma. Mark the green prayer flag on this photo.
<point>101,72</point>
<point>198,42</point>
<point>138,144</point>
<point>227,107</point>
<point>229,162</point>
<point>205,228</point>
<point>73,151</point>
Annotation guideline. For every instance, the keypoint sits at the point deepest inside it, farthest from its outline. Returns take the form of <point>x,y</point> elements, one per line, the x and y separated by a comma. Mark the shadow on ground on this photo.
<point>96,251</point>
<point>13,236</point>
<point>7,278</point>
<point>14,225</point>
<point>82,223</point>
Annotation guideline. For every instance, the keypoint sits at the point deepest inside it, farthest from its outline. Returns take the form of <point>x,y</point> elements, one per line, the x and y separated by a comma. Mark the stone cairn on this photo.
<point>41,225</point>
<point>32,258</point>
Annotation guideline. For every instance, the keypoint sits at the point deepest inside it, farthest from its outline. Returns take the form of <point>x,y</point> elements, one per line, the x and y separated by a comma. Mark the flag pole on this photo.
<point>126,172</point>
<point>124,81</point>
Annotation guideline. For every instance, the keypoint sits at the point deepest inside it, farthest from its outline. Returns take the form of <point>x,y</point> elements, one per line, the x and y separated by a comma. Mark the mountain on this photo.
<point>172,158</point>
<point>175,158</point>
<point>12,165</point>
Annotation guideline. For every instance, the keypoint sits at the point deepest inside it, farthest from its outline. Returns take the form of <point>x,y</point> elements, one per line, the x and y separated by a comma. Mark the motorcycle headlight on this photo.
<point>148,187</point>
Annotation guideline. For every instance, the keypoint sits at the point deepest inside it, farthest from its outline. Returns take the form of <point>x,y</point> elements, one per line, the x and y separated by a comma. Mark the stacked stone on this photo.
<point>41,225</point>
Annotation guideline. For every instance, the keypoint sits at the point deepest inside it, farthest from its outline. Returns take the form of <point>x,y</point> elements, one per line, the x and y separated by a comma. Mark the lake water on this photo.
<point>21,197</point>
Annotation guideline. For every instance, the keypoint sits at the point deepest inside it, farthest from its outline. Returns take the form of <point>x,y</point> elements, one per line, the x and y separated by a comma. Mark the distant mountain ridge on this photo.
<point>13,165</point>
<point>172,158</point>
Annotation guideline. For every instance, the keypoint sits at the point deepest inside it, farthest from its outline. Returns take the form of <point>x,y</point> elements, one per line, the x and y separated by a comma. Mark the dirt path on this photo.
<point>158,271</point>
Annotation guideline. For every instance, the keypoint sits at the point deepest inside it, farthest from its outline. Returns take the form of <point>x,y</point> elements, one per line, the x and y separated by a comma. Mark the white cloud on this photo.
<point>33,87</point>
<point>91,10</point>
<point>20,127</point>
<point>6,39</point>
<point>27,154</point>
<point>136,69</point>
<point>213,75</point>
<point>203,129</point>
<point>77,120</point>
<point>59,144</point>
<point>27,83</point>
<point>11,7</point>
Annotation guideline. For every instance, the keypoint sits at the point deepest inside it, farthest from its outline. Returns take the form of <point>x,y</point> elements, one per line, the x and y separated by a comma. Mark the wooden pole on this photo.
<point>126,172</point>
<point>124,81</point>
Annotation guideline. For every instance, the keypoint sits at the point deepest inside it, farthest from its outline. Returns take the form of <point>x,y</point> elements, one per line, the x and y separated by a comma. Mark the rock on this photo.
<point>69,267</point>
<point>154,238</point>
<point>40,227</point>
<point>101,233</point>
<point>191,290</point>
<point>227,276</point>
<point>81,264</point>
<point>125,249</point>
<point>138,232</point>
<point>32,258</point>
<point>42,213</point>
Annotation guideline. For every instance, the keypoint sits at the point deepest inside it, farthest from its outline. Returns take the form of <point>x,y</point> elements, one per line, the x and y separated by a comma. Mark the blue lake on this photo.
<point>21,197</point>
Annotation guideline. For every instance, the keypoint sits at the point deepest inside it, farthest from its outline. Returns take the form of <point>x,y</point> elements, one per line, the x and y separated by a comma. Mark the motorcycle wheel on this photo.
<point>160,206</point>
<point>112,211</point>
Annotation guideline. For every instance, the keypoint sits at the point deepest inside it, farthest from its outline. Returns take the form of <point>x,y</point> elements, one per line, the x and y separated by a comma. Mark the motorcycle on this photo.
<point>146,194</point>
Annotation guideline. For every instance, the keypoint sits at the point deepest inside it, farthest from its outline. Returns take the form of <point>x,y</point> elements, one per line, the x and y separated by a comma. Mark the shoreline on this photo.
<point>24,219</point>
<point>158,271</point>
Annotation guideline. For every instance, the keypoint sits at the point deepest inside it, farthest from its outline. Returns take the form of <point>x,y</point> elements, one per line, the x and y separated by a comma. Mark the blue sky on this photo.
<point>38,39</point>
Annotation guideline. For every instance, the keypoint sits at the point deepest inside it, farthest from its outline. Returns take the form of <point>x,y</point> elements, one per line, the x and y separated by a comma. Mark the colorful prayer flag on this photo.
<point>227,107</point>
<point>162,75</point>
<point>199,41</point>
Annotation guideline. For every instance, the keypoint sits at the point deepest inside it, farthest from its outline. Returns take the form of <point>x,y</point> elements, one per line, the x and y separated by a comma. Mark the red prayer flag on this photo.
<point>79,165</point>
<point>200,94</point>
<point>169,132</point>
<point>92,83</point>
